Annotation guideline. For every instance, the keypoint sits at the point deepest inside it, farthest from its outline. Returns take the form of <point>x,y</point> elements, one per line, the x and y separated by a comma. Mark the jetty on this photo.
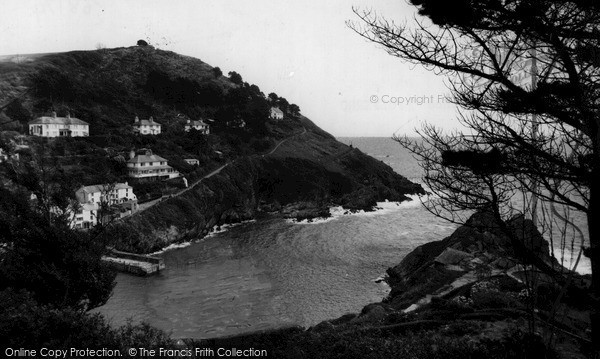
<point>137,264</point>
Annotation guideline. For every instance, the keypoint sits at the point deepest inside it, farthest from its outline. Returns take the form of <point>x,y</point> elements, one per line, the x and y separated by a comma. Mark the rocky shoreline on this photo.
<point>292,187</point>
<point>471,290</point>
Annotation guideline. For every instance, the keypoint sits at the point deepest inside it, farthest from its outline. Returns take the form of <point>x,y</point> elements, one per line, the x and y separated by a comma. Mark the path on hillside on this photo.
<point>284,140</point>
<point>146,205</point>
<point>149,204</point>
<point>193,184</point>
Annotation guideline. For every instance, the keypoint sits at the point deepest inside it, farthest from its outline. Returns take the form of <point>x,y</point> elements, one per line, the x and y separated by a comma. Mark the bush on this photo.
<point>494,299</point>
<point>24,323</point>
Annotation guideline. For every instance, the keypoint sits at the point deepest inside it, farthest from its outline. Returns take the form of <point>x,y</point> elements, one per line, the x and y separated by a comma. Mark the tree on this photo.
<point>548,130</point>
<point>42,255</point>
<point>142,42</point>
<point>235,78</point>
<point>17,112</point>
<point>283,104</point>
<point>294,109</point>
<point>59,266</point>
<point>273,98</point>
<point>217,72</point>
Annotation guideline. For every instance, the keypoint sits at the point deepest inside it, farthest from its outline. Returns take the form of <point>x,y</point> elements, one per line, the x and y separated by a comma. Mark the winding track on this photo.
<point>150,204</point>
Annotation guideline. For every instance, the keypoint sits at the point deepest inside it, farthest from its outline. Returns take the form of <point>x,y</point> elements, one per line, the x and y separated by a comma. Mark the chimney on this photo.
<point>136,120</point>
<point>151,119</point>
<point>68,115</point>
<point>188,121</point>
<point>131,154</point>
<point>54,114</point>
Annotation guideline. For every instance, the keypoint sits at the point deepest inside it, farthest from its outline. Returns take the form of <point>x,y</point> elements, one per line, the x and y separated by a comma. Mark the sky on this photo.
<point>301,50</point>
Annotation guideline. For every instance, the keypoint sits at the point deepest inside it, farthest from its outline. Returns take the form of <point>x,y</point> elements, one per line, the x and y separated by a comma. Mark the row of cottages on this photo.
<point>146,166</point>
<point>151,127</point>
<point>276,114</point>
<point>146,127</point>
<point>118,196</point>
<point>53,126</point>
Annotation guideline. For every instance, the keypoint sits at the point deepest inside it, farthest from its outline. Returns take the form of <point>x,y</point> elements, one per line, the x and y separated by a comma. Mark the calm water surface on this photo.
<point>271,273</point>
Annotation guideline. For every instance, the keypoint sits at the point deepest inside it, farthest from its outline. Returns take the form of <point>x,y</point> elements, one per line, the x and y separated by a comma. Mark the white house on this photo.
<point>192,161</point>
<point>148,166</point>
<point>90,199</point>
<point>276,114</point>
<point>108,193</point>
<point>52,126</point>
<point>197,125</point>
<point>85,217</point>
<point>146,127</point>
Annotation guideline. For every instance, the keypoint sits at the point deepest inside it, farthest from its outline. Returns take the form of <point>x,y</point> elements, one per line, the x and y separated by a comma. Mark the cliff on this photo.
<point>288,166</point>
<point>301,179</point>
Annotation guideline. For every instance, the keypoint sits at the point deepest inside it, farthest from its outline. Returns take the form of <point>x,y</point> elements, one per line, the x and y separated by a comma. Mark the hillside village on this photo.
<point>114,165</point>
<point>105,202</point>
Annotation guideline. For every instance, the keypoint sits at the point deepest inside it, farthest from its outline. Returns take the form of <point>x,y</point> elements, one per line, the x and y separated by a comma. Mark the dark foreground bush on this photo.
<point>448,342</point>
<point>24,323</point>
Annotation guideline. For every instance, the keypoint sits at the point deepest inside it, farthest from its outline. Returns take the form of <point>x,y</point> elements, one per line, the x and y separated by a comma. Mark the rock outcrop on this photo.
<point>481,247</point>
<point>297,187</point>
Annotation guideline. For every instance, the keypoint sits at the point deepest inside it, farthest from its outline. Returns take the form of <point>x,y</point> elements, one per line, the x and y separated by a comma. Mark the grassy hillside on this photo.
<point>108,88</point>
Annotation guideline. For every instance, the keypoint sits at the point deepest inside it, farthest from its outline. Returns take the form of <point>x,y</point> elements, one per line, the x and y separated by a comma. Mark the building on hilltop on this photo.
<point>146,166</point>
<point>53,126</point>
<point>146,127</point>
<point>276,114</point>
<point>199,125</point>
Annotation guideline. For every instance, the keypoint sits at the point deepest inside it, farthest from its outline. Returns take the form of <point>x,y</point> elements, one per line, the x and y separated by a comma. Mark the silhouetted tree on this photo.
<point>294,109</point>
<point>217,72</point>
<point>142,43</point>
<point>235,78</point>
<point>283,104</point>
<point>548,129</point>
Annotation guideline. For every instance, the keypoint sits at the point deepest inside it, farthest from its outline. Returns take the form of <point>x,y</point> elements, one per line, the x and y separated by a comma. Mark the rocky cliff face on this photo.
<point>457,297</point>
<point>481,247</point>
<point>289,165</point>
<point>302,185</point>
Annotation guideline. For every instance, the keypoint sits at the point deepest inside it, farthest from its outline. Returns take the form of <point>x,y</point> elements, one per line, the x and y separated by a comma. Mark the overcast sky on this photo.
<point>301,50</point>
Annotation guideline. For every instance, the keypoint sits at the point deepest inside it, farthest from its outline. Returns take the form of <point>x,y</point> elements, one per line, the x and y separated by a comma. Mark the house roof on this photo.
<point>103,187</point>
<point>146,123</point>
<point>275,109</point>
<point>146,158</point>
<point>50,120</point>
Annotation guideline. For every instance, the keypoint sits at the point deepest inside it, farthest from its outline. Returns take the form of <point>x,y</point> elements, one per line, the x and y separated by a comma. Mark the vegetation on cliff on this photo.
<point>108,88</point>
<point>52,275</point>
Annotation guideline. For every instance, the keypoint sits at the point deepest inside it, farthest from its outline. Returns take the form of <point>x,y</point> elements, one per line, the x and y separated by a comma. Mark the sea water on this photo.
<point>274,272</point>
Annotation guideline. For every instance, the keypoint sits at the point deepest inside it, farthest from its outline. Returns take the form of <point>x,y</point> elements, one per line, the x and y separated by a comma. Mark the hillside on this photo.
<point>286,165</point>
